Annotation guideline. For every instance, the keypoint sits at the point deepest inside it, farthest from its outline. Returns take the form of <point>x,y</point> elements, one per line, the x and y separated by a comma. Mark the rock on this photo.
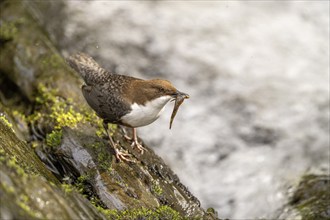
<point>309,200</point>
<point>77,178</point>
<point>29,191</point>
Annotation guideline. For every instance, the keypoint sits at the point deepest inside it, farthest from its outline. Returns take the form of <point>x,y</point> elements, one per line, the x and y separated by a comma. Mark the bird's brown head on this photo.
<point>165,87</point>
<point>152,89</point>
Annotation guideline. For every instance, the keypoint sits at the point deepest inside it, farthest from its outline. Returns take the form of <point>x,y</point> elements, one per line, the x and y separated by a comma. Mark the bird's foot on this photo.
<point>127,137</point>
<point>121,156</point>
<point>125,133</point>
<point>139,146</point>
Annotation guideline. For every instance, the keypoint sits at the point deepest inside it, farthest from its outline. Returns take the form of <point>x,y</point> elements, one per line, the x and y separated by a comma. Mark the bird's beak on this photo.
<point>180,94</point>
<point>184,95</point>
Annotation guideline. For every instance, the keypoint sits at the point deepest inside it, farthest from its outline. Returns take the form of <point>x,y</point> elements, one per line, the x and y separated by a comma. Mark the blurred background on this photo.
<point>257,73</point>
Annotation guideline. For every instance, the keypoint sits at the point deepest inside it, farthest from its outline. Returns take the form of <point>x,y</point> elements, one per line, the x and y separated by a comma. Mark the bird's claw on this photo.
<point>127,137</point>
<point>138,146</point>
<point>121,156</point>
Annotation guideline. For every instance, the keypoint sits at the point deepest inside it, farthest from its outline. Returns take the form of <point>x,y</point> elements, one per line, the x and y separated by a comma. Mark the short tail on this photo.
<point>88,68</point>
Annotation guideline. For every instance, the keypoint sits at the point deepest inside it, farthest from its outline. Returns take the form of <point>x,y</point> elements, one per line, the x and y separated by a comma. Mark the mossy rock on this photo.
<point>312,197</point>
<point>70,140</point>
<point>18,151</point>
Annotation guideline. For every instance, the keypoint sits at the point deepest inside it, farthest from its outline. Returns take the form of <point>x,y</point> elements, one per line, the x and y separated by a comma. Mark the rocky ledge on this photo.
<point>56,162</point>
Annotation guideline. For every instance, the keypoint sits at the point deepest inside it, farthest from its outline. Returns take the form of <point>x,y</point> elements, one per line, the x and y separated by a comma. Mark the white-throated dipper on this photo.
<point>124,100</point>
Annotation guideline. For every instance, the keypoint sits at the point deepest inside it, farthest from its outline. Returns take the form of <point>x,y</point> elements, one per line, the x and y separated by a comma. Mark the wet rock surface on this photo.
<point>30,191</point>
<point>310,199</point>
<point>62,165</point>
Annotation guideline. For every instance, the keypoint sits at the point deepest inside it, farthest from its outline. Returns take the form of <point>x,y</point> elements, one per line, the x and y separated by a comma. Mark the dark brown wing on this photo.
<point>105,103</point>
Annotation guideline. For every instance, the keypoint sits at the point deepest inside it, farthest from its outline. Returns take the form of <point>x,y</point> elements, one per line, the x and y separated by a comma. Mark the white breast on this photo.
<point>142,115</point>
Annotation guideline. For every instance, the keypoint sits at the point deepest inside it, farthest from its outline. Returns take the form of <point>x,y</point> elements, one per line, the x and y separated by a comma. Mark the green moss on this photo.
<point>100,132</point>
<point>65,117</point>
<point>67,188</point>
<point>24,202</point>
<point>45,95</point>
<point>20,198</point>
<point>5,121</point>
<point>34,144</point>
<point>54,138</point>
<point>19,115</point>
<point>104,161</point>
<point>212,213</point>
<point>9,189</point>
<point>93,118</point>
<point>26,208</point>
<point>83,178</point>
<point>12,163</point>
<point>19,118</point>
<point>62,111</point>
<point>161,213</point>
<point>96,145</point>
<point>166,212</point>
<point>52,61</point>
<point>156,188</point>
<point>79,186</point>
<point>8,30</point>
<point>58,113</point>
<point>104,158</point>
<point>311,198</point>
<point>109,213</point>
<point>24,198</point>
<point>82,184</point>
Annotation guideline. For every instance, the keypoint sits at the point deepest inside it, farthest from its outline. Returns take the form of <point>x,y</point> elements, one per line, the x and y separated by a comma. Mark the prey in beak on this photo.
<point>179,97</point>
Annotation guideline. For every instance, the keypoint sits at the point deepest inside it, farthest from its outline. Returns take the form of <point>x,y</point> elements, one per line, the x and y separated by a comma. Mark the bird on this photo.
<point>123,100</point>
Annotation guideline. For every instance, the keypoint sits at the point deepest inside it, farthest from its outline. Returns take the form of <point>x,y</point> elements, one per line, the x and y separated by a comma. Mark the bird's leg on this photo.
<point>123,130</point>
<point>136,143</point>
<point>119,155</point>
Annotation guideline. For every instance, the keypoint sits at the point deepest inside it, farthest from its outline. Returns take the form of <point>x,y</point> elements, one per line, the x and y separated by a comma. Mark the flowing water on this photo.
<point>258,78</point>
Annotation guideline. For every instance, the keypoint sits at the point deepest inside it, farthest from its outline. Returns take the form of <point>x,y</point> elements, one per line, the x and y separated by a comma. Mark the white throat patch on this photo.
<point>142,115</point>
